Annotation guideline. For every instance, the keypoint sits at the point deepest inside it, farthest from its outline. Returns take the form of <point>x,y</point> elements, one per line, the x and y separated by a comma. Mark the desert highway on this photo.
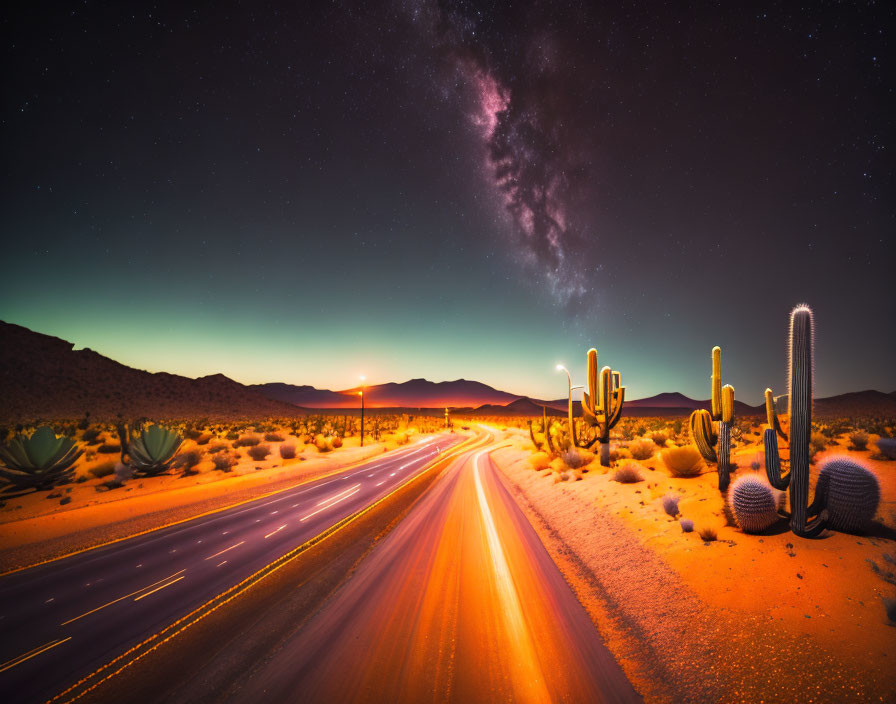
<point>459,603</point>
<point>62,620</point>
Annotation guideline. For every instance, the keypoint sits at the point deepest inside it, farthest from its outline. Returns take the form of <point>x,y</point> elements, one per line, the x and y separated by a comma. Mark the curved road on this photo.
<point>62,620</point>
<point>460,603</point>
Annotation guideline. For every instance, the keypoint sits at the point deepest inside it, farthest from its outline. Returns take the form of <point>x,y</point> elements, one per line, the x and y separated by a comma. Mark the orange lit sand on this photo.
<point>771,620</point>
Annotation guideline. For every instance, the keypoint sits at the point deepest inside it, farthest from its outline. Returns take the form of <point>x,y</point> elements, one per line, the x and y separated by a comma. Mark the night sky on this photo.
<point>312,191</point>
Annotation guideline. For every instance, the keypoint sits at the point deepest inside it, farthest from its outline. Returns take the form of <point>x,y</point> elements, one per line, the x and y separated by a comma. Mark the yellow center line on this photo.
<point>162,587</point>
<point>324,508</point>
<point>274,532</point>
<point>31,653</point>
<point>115,601</point>
<point>225,550</point>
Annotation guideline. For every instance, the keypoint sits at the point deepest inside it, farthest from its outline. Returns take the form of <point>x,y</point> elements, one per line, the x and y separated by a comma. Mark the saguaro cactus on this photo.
<point>602,403</point>
<point>800,410</point>
<point>702,431</point>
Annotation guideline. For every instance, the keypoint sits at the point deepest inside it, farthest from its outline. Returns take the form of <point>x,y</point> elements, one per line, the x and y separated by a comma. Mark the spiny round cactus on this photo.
<point>754,503</point>
<point>852,491</point>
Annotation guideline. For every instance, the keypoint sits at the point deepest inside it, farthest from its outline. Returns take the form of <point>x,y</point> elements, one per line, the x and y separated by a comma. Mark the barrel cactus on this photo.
<point>754,503</point>
<point>851,492</point>
<point>39,461</point>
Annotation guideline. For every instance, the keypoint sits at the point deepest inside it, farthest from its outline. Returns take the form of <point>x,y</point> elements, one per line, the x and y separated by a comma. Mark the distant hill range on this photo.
<point>416,393</point>
<point>45,377</point>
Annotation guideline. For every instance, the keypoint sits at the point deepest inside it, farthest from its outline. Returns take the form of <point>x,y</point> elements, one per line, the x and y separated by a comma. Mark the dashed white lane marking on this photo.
<point>333,500</point>
<point>274,532</point>
<point>225,550</point>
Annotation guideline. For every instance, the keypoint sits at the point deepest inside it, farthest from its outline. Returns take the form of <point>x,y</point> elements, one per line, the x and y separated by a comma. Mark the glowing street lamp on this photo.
<point>572,434</point>
<point>361,394</point>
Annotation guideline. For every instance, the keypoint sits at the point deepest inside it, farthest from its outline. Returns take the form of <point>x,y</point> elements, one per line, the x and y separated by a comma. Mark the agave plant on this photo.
<point>41,461</point>
<point>149,450</point>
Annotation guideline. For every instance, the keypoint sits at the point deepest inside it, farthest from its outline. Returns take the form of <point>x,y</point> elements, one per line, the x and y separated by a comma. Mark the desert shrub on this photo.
<point>670,504</point>
<point>629,473</point>
<point>259,452</point>
<point>539,461</point>
<point>123,473</point>
<point>336,441</point>
<point>642,449</point>
<point>186,461</point>
<point>232,435</point>
<point>102,470</point>
<point>273,437</point>
<point>192,433</point>
<point>858,440</point>
<point>572,459</point>
<point>247,441</point>
<point>218,447</point>
<point>682,461</point>
<point>659,438</point>
<point>400,439</point>
<point>817,443</point>
<point>687,525</point>
<point>203,439</point>
<point>287,451</point>
<point>707,534</point>
<point>90,435</point>
<point>887,447</point>
<point>889,608</point>
<point>224,461</point>
<point>108,449</point>
<point>320,442</point>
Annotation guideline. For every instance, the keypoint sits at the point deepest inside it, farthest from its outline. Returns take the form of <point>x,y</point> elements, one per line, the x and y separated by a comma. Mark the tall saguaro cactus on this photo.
<point>602,403</point>
<point>800,410</point>
<point>722,411</point>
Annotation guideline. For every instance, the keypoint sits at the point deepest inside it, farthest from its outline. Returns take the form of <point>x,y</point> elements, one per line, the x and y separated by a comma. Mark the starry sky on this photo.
<point>305,192</point>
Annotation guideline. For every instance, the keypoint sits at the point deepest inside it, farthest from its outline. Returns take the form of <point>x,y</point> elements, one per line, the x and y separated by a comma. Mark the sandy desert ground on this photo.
<point>768,614</point>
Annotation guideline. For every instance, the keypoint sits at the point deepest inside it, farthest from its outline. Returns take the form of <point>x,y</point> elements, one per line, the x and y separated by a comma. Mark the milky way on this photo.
<point>531,150</point>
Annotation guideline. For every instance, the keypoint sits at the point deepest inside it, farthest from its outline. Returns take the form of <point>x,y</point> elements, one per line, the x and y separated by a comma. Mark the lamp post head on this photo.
<point>560,368</point>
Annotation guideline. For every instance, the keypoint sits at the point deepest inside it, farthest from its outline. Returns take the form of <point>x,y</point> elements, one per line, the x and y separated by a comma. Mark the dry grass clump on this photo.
<point>102,470</point>
<point>186,461</point>
<point>273,437</point>
<point>682,461</point>
<point>707,534</point>
<point>247,441</point>
<point>817,443</point>
<point>642,449</point>
<point>629,473</point>
<point>259,452</point>
<point>576,458</point>
<point>659,438</point>
<point>224,461</point>
<point>687,525</point>
<point>670,504</point>
<point>539,461</point>
<point>287,451</point>
<point>858,441</point>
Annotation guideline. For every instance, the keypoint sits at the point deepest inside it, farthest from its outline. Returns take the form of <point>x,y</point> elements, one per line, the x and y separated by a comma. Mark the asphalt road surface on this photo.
<point>62,620</point>
<point>459,603</point>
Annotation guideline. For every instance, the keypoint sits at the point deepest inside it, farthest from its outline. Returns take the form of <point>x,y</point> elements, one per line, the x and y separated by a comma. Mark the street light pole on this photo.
<point>361,394</point>
<point>572,434</point>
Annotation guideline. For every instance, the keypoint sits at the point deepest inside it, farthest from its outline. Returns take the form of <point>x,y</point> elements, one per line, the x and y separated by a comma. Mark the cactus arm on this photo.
<point>773,462</point>
<point>549,440</point>
<point>703,435</point>
<point>532,435</point>
<point>716,383</point>
<point>617,409</point>
<point>771,414</point>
